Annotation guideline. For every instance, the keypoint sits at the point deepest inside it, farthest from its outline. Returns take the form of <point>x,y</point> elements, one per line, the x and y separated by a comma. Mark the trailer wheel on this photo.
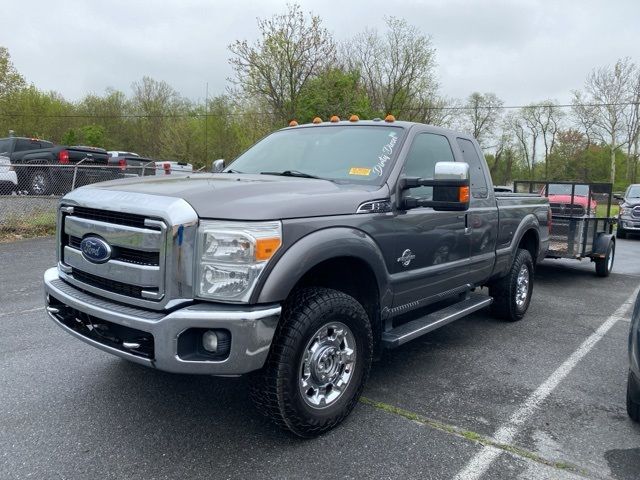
<point>512,293</point>
<point>605,265</point>
<point>318,363</point>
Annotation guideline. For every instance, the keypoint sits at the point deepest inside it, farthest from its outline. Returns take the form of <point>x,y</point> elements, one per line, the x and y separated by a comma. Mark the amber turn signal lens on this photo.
<point>390,118</point>
<point>317,120</point>
<point>335,119</point>
<point>266,247</point>
<point>463,194</point>
<point>354,118</point>
<point>293,123</point>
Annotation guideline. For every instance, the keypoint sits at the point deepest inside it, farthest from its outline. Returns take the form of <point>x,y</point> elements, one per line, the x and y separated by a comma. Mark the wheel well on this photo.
<point>352,276</point>
<point>529,241</point>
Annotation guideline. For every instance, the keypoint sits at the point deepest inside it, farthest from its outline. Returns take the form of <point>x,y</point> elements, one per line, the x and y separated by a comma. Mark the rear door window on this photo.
<point>476,171</point>
<point>5,147</point>
<point>23,145</point>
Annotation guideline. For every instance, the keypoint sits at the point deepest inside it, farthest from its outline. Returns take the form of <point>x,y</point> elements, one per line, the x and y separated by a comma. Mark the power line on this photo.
<point>254,113</point>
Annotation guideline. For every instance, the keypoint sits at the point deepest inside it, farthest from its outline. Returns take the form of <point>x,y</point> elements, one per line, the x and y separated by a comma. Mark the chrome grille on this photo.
<point>135,267</point>
<point>636,212</point>
<point>152,240</point>
<point>568,209</point>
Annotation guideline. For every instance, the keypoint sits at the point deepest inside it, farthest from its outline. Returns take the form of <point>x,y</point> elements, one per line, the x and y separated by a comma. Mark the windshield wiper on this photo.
<point>293,173</point>
<point>231,170</point>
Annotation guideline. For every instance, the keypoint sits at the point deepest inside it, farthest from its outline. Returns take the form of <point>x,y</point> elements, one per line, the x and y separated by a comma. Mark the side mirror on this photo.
<point>450,188</point>
<point>217,166</point>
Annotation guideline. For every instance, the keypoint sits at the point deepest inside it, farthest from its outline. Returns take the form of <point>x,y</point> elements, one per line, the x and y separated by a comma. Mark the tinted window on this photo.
<point>564,189</point>
<point>23,145</point>
<point>426,150</point>
<point>476,172</point>
<point>5,146</point>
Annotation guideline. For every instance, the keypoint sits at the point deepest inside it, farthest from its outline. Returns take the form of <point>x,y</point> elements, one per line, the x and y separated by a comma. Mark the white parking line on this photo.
<point>479,464</point>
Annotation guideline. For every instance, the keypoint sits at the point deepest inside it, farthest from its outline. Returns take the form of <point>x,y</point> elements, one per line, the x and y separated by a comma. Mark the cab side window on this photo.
<point>23,145</point>
<point>476,172</point>
<point>426,150</point>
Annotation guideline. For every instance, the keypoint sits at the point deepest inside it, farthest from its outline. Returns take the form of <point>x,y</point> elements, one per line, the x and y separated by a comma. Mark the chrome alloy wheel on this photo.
<point>610,260</point>
<point>522,286</point>
<point>327,365</point>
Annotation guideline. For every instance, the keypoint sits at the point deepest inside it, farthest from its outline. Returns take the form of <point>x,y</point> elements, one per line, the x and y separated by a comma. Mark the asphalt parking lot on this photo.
<point>541,398</point>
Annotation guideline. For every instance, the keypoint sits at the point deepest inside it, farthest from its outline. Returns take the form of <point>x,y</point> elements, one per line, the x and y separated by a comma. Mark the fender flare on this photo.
<point>314,249</point>
<point>529,222</point>
<point>601,244</point>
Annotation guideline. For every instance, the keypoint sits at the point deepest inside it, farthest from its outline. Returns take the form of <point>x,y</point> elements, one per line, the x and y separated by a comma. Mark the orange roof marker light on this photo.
<point>335,119</point>
<point>293,123</point>
<point>317,120</point>
<point>354,118</point>
<point>390,118</point>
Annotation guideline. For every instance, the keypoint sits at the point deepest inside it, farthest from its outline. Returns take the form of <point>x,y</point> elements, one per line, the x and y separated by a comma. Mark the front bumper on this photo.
<point>251,328</point>
<point>629,223</point>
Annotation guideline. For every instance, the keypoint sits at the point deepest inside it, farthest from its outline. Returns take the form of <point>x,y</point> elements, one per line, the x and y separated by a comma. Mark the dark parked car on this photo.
<point>629,216</point>
<point>633,382</point>
<point>131,164</point>
<point>44,168</point>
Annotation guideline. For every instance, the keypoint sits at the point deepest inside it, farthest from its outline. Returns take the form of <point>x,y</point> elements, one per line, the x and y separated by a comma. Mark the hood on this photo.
<point>566,199</point>
<point>253,197</point>
<point>631,202</point>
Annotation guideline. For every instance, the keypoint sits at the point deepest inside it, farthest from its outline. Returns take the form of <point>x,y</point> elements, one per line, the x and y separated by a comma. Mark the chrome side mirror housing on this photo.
<point>217,166</point>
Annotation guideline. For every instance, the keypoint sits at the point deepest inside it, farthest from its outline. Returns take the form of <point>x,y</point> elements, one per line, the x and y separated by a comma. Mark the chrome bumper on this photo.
<point>251,328</point>
<point>631,224</point>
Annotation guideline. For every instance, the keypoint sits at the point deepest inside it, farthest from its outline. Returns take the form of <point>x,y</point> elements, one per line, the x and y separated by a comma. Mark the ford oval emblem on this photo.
<point>95,249</point>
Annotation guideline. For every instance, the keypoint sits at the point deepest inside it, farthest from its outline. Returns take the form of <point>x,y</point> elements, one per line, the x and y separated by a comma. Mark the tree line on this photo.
<point>297,70</point>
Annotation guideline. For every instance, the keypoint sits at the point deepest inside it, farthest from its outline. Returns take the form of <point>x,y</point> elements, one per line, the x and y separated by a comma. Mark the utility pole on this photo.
<point>206,124</point>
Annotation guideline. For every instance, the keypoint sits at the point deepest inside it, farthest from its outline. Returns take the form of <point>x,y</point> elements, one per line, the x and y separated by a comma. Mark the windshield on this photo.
<point>342,153</point>
<point>562,189</point>
<point>633,192</point>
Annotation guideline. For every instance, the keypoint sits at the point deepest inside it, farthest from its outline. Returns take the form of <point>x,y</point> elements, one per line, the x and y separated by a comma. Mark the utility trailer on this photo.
<point>581,222</point>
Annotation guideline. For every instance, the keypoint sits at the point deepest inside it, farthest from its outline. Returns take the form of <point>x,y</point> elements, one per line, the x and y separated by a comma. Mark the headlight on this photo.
<point>625,211</point>
<point>232,256</point>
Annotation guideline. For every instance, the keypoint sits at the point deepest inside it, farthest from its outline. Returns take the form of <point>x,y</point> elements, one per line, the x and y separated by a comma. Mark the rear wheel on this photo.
<point>39,183</point>
<point>318,363</point>
<point>512,293</point>
<point>605,265</point>
<point>633,397</point>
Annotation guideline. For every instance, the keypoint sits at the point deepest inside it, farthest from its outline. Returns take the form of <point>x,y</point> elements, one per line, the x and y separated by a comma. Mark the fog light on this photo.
<point>210,341</point>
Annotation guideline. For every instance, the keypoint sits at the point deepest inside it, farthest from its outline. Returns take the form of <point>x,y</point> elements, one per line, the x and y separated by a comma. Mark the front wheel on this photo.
<point>633,397</point>
<point>512,293</point>
<point>318,363</point>
<point>605,265</point>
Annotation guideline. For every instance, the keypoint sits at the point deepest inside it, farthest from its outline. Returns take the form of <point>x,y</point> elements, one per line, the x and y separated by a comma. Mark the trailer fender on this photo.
<point>601,245</point>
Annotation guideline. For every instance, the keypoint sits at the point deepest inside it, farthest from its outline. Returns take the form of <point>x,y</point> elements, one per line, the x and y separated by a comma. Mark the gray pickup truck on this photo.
<point>315,250</point>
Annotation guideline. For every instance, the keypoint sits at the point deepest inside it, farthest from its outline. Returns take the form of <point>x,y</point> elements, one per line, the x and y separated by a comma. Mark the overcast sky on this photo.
<point>523,50</point>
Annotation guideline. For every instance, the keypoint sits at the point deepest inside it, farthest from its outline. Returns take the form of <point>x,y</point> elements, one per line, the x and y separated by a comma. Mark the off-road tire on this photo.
<point>275,389</point>
<point>603,267</point>
<point>633,397</point>
<point>504,290</point>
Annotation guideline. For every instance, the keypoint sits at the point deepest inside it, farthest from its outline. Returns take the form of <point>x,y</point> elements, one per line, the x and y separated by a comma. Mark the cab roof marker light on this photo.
<point>317,120</point>
<point>335,119</point>
<point>293,123</point>
<point>354,118</point>
<point>389,118</point>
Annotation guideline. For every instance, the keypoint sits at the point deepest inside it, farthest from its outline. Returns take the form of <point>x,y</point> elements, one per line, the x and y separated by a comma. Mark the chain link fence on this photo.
<point>30,193</point>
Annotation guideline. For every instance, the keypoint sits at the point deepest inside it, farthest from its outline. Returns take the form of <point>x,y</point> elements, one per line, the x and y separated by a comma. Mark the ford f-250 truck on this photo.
<point>316,249</point>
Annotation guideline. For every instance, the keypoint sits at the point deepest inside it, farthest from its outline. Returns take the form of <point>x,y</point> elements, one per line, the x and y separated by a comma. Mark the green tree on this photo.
<point>292,49</point>
<point>334,92</point>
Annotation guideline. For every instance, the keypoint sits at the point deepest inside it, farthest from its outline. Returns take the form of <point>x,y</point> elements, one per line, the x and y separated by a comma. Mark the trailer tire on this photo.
<point>605,265</point>
<point>512,293</point>
<point>318,363</point>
